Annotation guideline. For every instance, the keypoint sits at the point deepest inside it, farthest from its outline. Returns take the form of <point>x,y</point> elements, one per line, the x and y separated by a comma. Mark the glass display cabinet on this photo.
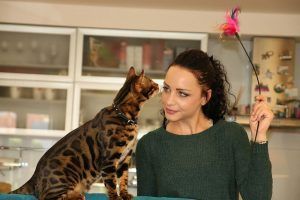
<point>37,53</point>
<point>109,53</point>
<point>50,62</point>
<point>35,108</point>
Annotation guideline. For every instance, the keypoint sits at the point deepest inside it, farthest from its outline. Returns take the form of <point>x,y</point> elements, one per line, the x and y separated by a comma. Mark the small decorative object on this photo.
<point>279,88</point>
<point>37,121</point>
<point>267,55</point>
<point>37,93</point>
<point>53,52</point>
<point>283,70</point>
<point>42,58</point>
<point>263,87</point>
<point>15,92</point>
<point>34,45</point>
<point>4,45</point>
<point>286,55</point>
<point>8,119</point>
<point>269,74</point>
<point>20,46</point>
<point>102,53</point>
<point>49,94</point>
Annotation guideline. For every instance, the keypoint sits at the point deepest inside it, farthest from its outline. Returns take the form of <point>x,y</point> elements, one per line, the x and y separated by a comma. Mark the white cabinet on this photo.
<point>53,79</point>
<point>36,80</point>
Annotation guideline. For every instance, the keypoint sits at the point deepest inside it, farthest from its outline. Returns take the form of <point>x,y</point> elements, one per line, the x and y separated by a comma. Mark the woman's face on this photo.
<point>181,95</point>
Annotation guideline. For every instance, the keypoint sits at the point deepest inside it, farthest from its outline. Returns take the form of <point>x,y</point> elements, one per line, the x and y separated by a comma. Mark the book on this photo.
<point>147,56</point>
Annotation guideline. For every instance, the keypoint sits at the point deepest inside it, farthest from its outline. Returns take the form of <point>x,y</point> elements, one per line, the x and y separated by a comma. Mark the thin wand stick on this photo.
<point>254,69</point>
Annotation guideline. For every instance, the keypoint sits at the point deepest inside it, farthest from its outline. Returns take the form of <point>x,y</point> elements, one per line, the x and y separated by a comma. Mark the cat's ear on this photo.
<point>142,73</point>
<point>131,73</point>
<point>139,82</point>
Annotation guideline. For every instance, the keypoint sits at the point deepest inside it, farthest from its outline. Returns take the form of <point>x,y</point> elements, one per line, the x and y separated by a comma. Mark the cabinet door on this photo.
<point>93,98</point>
<point>35,108</point>
<point>110,53</point>
<point>28,51</point>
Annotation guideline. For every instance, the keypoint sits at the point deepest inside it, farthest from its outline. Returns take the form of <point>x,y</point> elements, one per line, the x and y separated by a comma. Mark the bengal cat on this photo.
<point>101,147</point>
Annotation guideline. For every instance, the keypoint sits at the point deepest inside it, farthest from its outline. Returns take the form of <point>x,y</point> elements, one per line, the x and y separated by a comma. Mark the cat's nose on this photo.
<point>156,86</point>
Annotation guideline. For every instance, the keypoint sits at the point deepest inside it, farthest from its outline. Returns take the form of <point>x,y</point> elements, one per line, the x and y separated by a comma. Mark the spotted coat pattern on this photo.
<point>100,148</point>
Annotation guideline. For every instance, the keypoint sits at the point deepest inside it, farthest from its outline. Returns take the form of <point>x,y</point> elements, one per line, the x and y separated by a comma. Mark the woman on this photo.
<point>196,154</point>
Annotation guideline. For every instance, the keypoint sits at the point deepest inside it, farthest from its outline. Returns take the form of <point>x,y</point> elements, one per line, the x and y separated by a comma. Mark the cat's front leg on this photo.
<point>110,182</point>
<point>122,174</point>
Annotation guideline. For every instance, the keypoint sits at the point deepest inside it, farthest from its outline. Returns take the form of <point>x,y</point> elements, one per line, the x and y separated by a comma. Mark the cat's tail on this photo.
<point>27,188</point>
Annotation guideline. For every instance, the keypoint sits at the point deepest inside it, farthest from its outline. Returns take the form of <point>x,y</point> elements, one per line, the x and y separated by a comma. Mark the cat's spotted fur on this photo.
<point>101,147</point>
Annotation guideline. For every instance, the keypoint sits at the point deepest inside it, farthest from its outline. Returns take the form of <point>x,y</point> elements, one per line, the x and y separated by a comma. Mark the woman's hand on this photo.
<point>261,113</point>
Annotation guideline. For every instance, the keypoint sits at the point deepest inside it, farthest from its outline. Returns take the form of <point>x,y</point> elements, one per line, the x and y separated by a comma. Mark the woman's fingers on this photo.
<point>260,109</point>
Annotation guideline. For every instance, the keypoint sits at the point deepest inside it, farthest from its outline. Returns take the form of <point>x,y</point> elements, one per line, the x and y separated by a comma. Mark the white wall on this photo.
<point>236,64</point>
<point>143,19</point>
<point>284,150</point>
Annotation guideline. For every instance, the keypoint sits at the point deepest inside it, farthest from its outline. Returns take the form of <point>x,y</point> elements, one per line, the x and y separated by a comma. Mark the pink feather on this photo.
<point>231,26</point>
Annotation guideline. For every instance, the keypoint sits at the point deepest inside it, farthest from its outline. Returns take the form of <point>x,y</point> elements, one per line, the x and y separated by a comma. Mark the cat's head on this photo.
<point>141,84</point>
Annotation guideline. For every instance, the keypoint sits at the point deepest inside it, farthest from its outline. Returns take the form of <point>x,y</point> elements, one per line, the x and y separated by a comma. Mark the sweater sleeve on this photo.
<point>145,174</point>
<point>252,168</point>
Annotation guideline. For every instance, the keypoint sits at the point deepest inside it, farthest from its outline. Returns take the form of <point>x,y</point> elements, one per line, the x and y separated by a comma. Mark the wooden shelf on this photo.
<point>277,122</point>
<point>118,70</point>
<point>36,66</point>
<point>28,101</point>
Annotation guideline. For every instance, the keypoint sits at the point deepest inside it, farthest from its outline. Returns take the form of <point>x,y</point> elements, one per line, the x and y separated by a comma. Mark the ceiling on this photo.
<point>262,6</point>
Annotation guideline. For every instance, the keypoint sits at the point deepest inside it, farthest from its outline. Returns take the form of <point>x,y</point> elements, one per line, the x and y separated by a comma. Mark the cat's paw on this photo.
<point>126,196</point>
<point>81,197</point>
<point>115,197</point>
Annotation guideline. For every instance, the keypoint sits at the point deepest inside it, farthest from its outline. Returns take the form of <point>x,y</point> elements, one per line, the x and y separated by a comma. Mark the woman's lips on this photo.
<point>170,112</point>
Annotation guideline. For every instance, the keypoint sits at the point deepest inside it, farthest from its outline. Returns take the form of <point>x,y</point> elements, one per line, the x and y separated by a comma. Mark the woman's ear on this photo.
<point>206,97</point>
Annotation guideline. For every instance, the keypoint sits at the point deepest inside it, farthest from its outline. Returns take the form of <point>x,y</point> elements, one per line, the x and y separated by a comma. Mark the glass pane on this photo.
<point>19,157</point>
<point>35,53</point>
<point>32,108</point>
<point>112,56</point>
<point>92,101</point>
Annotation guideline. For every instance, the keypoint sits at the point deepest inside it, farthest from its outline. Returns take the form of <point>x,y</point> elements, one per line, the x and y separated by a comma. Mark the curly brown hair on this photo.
<point>211,74</point>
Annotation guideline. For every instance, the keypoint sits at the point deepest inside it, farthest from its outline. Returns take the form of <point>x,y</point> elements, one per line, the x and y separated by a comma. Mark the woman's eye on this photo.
<point>183,94</point>
<point>165,89</point>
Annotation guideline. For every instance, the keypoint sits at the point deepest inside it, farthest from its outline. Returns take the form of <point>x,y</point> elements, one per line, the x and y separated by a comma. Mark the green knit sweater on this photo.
<point>215,164</point>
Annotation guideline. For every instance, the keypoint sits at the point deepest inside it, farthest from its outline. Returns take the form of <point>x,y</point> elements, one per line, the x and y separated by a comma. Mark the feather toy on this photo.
<point>231,28</point>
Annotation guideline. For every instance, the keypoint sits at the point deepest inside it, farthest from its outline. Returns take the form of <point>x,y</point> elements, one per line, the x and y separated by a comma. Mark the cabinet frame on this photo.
<point>74,82</point>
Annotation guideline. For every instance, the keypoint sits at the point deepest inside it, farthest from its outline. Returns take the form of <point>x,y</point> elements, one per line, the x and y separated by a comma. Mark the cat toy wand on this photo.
<point>231,28</point>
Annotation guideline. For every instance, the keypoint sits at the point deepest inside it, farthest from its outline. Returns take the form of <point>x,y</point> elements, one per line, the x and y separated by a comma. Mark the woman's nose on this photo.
<point>170,99</point>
